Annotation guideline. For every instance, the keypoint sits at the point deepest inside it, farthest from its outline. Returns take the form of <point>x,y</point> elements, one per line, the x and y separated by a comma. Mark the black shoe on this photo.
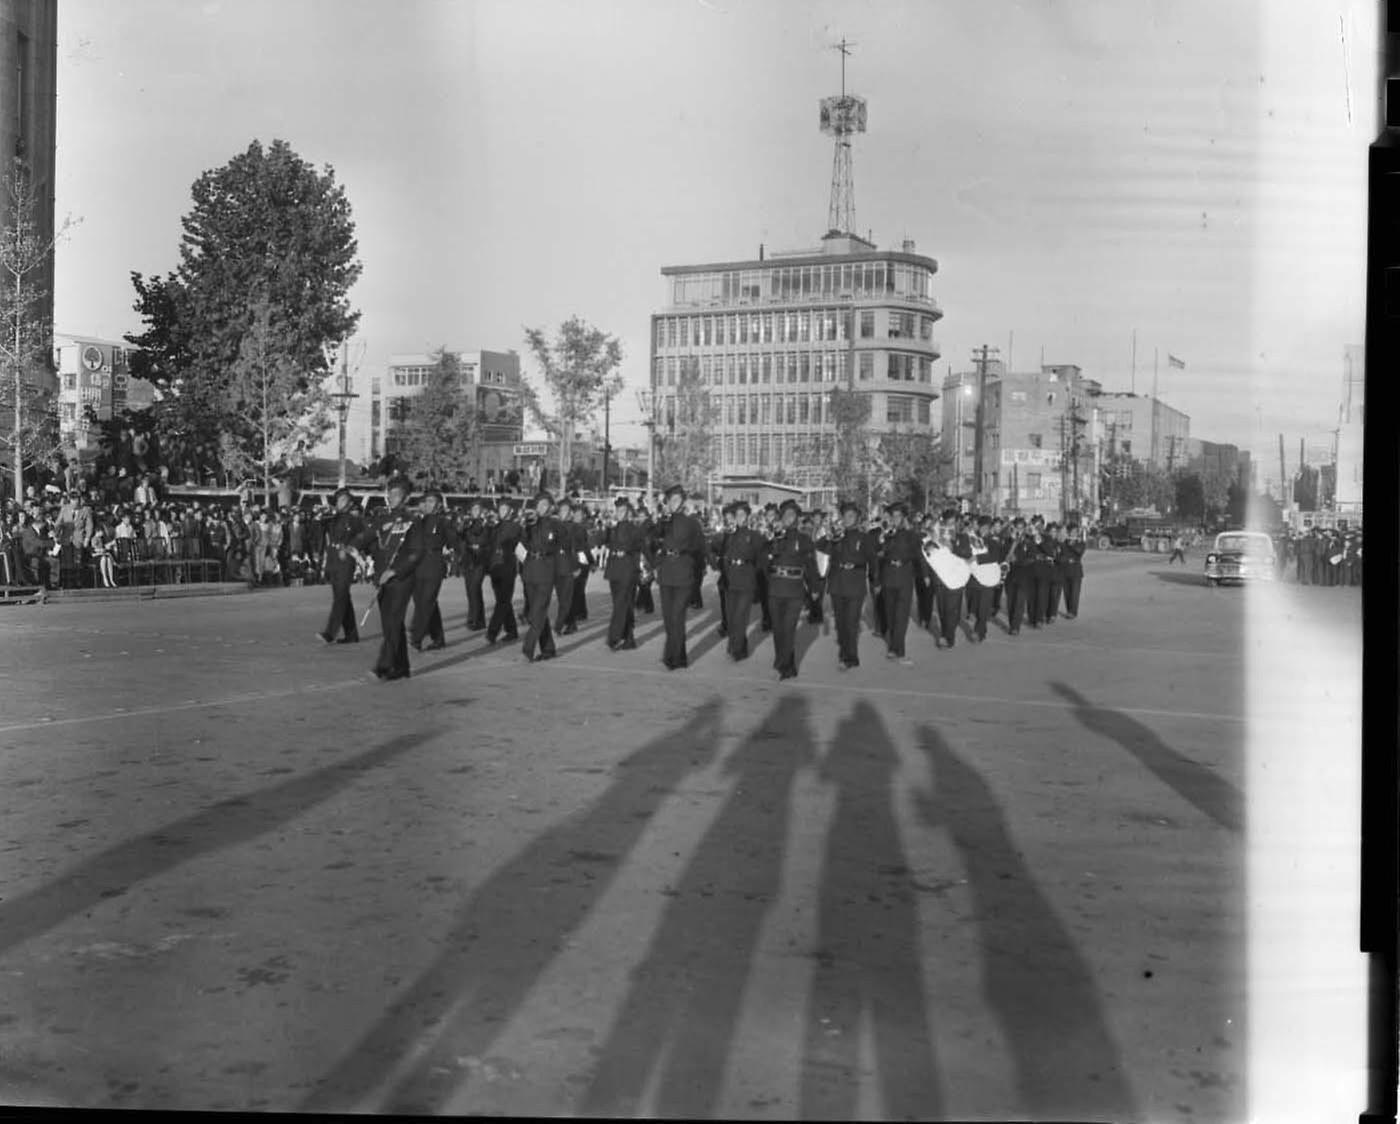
<point>474,627</point>
<point>786,675</point>
<point>348,640</point>
<point>549,655</point>
<point>416,645</point>
<point>394,675</point>
<point>627,646</point>
<point>768,627</point>
<point>721,632</point>
<point>490,639</point>
<point>513,637</point>
<point>323,638</point>
<point>1013,632</point>
<point>436,645</point>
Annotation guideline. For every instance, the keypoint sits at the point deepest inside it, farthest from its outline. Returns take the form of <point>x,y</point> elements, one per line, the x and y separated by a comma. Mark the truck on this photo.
<point>1148,531</point>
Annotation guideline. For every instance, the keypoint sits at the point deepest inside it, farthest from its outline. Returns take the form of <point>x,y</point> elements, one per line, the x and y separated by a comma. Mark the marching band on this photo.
<point>783,559</point>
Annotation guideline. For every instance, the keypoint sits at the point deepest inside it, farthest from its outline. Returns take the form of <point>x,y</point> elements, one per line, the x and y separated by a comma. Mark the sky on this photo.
<point>1185,172</point>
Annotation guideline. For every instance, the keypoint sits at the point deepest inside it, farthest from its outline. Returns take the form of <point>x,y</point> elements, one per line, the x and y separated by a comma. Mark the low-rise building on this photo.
<point>94,385</point>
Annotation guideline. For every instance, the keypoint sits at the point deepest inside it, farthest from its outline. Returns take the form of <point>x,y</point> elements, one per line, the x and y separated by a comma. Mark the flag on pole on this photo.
<point>1173,361</point>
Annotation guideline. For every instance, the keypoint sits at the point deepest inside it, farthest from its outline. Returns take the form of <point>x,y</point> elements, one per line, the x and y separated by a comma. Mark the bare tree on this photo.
<point>580,370</point>
<point>29,431</point>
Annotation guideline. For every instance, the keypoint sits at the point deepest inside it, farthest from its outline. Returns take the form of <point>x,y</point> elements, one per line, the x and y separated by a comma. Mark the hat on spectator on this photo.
<point>343,492</point>
<point>848,505</point>
<point>398,483</point>
<point>899,506</point>
<point>622,501</point>
<point>674,490</point>
<point>789,505</point>
<point>738,505</point>
<point>543,494</point>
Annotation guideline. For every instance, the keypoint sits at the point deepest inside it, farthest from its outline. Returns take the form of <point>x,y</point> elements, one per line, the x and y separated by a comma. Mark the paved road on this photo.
<point>1007,881</point>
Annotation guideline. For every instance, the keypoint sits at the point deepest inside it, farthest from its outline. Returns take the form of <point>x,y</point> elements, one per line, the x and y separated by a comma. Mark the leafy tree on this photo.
<point>265,228</point>
<point>685,451</point>
<point>1190,496</point>
<point>439,441</point>
<point>852,467</point>
<point>580,371</point>
<point>920,469</point>
<point>272,405</point>
<point>29,432</point>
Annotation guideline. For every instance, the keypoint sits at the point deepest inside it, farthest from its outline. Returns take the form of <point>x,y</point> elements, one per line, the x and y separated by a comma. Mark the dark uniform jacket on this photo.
<point>396,539</point>
<point>1072,557</point>
<point>343,532</point>
<point>626,543</point>
<point>854,558</point>
<point>439,535</point>
<point>901,554</point>
<point>544,540</point>
<point>475,540</point>
<point>745,552</point>
<point>792,563</point>
<point>680,551</point>
<point>573,540</point>
<point>499,547</point>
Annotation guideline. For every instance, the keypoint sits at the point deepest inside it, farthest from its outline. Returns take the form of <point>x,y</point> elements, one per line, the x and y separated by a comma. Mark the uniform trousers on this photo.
<point>502,613</point>
<point>814,603</point>
<point>787,611</point>
<point>1018,593</point>
<point>897,603</point>
<point>675,599</point>
<point>1073,583</point>
<point>877,611</point>
<point>342,616</point>
<point>474,577</point>
<point>846,610</point>
<point>761,596</point>
<point>924,598</point>
<point>537,627</point>
<point>1056,588</point>
<point>1038,599</point>
<point>722,588</point>
<point>427,618</point>
<point>949,612</point>
<point>696,601</point>
<point>737,604</point>
<point>646,603</point>
<point>394,597</point>
<point>624,617</point>
<point>979,598</point>
<point>578,601</point>
<point>564,595</point>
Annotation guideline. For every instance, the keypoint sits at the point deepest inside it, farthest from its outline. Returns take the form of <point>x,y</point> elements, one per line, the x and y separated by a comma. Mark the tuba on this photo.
<point>951,570</point>
<point>989,574</point>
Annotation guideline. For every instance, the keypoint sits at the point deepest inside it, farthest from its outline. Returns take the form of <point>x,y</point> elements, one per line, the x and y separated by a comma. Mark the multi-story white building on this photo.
<point>771,337</point>
<point>93,385</point>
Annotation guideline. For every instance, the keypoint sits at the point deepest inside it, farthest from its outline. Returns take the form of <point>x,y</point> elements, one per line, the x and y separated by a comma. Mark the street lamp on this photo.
<point>343,398</point>
<point>646,402</point>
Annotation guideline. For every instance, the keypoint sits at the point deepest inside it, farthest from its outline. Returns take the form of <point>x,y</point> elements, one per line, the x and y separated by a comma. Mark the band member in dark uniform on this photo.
<point>395,537</point>
<point>900,555</point>
<point>745,555</point>
<point>626,545</point>
<point>878,530</point>
<point>501,567</point>
<point>681,540</point>
<point>566,567</point>
<point>439,537</point>
<point>1042,567</point>
<point>1001,536</point>
<point>338,564</point>
<point>582,543</point>
<point>1056,541</point>
<point>950,601</point>
<point>544,539</point>
<point>475,536</point>
<point>792,567</point>
<point>696,600</point>
<point>1019,585</point>
<point>816,591</point>
<point>645,602</point>
<point>717,545</point>
<point>1074,569</point>
<point>926,583</point>
<point>985,549</point>
<point>853,561</point>
<point>767,529</point>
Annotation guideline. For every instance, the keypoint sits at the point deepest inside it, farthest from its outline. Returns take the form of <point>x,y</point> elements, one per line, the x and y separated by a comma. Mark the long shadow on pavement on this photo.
<point>226,824</point>
<point>1193,782</point>
<point>1035,980</point>
<point>508,932</point>
<point>868,958</point>
<point>677,1023</point>
<point>1180,577</point>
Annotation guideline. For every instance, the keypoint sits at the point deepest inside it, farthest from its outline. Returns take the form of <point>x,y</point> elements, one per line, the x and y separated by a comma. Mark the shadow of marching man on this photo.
<point>868,960</point>
<point>1035,981</point>
<point>507,934</point>
<point>678,1020</point>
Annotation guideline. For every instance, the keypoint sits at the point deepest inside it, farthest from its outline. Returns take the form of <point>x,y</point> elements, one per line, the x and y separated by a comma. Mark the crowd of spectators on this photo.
<point>78,539</point>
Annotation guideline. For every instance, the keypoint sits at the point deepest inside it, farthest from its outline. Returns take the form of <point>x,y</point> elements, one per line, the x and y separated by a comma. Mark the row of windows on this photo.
<point>805,282</point>
<point>788,367</point>
<point>819,324</point>
<point>418,376</point>
<point>791,409</point>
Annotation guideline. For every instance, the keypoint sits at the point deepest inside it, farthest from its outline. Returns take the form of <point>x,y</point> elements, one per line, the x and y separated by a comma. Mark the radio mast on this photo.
<point>842,117</point>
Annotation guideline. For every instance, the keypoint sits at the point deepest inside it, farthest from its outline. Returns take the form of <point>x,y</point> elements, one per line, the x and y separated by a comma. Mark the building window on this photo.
<point>766,367</point>
<point>804,367</point>
<point>670,372</point>
<point>902,325</point>
<point>1127,447</point>
<point>374,415</point>
<point>374,385</point>
<point>763,447</point>
<point>804,409</point>
<point>867,325</point>
<point>867,365</point>
<point>728,451</point>
<point>743,370</point>
<point>899,408</point>
<point>1033,481</point>
<point>743,411</point>
<point>923,411</point>
<point>753,449</point>
<point>1035,440</point>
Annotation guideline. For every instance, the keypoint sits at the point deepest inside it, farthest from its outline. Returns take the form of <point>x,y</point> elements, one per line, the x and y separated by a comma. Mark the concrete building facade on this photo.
<point>771,337</point>
<point>28,122</point>
<point>94,385</point>
<point>1146,429</point>
<point>1038,454</point>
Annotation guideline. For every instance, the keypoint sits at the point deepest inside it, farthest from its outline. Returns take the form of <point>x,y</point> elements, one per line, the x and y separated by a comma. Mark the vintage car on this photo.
<point>1240,555</point>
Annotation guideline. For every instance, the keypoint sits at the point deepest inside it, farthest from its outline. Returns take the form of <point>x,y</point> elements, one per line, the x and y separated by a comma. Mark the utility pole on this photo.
<point>979,441</point>
<point>607,445</point>
<point>646,399</point>
<point>343,398</point>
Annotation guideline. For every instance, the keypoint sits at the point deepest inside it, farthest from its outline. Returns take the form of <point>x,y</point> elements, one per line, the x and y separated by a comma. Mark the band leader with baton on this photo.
<point>396,538</point>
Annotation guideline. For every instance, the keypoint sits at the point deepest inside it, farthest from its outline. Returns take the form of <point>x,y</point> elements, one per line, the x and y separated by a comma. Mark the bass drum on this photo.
<point>952,571</point>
